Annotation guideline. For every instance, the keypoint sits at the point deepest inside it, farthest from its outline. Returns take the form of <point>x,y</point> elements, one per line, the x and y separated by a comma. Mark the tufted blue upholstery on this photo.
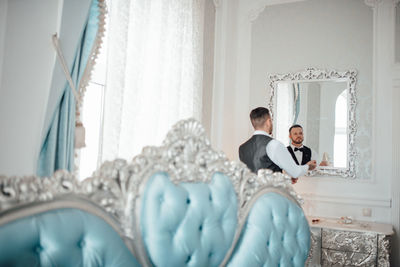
<point>63,237</point>
<point>190,224</point>
<point>276,234</point>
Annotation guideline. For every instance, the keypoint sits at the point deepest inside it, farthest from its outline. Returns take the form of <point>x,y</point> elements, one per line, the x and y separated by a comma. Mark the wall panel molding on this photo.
<point>396,162</point>
<point>357,201</point>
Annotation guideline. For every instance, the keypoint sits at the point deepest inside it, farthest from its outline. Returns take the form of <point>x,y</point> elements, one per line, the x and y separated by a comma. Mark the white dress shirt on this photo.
<point>299,154</point>
<point>279,155</point>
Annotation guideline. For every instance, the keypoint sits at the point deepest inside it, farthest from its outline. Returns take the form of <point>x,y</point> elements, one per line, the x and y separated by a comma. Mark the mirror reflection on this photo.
<point>319,110</point>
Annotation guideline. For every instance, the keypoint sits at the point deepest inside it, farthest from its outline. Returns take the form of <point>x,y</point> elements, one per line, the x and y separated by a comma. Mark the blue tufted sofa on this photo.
<point>181,204</point>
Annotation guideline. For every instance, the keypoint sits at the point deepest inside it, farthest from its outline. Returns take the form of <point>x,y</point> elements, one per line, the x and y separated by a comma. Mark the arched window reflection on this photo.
<point>340,140</point>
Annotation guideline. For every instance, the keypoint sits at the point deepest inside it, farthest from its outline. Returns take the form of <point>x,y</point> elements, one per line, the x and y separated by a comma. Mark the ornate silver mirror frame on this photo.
<point>319,75</point>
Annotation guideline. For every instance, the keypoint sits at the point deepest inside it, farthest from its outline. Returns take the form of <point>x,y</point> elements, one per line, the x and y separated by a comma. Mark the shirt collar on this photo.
<point>261,133</point>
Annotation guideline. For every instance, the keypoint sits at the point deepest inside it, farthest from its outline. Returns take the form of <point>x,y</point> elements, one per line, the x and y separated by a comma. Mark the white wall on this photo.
<point>329,34</point>
<point>27,62</point>
<point>3,24</point>
<point>396,158</point>
<point>397,36</point>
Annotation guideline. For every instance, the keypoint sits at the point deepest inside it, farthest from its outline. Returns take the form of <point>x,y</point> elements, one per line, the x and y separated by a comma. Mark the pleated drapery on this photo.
<point>80,36</point>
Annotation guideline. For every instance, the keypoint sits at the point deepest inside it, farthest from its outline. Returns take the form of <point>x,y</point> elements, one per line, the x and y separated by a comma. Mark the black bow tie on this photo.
<point>300,149</point>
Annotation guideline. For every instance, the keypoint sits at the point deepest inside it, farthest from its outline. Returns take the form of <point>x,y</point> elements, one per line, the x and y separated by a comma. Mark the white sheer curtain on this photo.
<point>154,72</point>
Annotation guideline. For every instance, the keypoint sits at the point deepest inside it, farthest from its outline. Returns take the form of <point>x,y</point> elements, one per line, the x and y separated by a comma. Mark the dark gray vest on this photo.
<point>254,154</point>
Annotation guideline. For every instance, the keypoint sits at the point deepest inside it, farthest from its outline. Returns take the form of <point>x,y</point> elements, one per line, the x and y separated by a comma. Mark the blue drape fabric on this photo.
<point>57,150</point>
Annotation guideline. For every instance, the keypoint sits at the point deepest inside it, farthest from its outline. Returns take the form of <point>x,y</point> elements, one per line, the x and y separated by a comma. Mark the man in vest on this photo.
<point>261,151</point>
<point>301,154</point>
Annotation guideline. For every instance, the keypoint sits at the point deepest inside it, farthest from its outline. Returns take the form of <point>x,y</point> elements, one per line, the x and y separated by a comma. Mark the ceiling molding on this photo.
<point>256,11</point>
<point>373,3</point>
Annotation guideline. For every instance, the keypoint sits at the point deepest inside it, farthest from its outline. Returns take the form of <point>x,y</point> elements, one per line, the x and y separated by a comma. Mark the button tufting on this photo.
<point>161,199</point>
<point>201,228</point>
<point>38,248</point>
<point>267,243</point>
<point>81,243</point>
<point>188,201</point>
<point>210,197</point>
<point>210,254</point>
<point>188,258</point>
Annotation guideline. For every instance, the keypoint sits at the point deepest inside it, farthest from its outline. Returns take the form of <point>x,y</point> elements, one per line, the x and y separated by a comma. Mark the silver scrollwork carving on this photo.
<point>364,242</point>
<point>384,250</point>
<point>186,155</point>
<point>312,74</point>
<point>15,191</point>
<point>315,237</point>
<point>349,248</point>
<point>346,258</point>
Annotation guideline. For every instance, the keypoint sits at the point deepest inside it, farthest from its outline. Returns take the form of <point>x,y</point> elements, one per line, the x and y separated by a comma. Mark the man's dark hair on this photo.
<point>295,126</point>
<point>258,116</point>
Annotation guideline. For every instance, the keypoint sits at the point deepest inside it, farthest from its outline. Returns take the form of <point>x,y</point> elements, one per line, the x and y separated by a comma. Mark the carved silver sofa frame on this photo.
<point>116,186</point>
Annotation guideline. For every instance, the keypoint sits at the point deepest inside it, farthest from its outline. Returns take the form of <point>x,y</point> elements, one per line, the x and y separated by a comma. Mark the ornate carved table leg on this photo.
<point>383,251</point>
<point>315,248</point>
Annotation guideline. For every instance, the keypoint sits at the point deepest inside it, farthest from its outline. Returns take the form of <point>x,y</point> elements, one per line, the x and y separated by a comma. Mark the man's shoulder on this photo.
<point>262,137</point>
<point>256,139</point>
<point>245,143</point>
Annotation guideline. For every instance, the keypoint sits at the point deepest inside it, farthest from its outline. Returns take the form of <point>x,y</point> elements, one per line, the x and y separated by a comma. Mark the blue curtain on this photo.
<point>57,150</point>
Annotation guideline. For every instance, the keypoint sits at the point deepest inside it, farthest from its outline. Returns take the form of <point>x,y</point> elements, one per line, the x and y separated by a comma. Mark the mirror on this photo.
<point>323,103</point>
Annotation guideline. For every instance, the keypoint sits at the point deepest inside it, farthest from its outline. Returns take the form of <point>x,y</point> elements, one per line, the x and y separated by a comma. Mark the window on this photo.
<point>340,139</point>
<point>148,76</point>
<point>92,115</point>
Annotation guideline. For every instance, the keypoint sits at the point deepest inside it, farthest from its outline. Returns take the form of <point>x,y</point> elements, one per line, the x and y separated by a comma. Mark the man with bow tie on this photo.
<point>261,151</point>
<point>300,153</point>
